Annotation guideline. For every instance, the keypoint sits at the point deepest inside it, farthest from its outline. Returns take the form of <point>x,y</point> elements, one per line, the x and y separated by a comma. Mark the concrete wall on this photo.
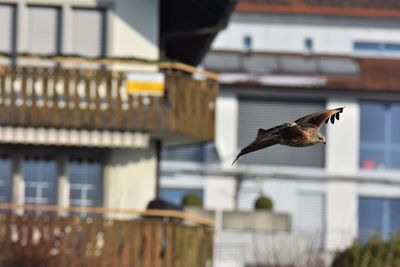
<point>341,214</point>
<point>343,148</point>
<point>226,127</point>
<point>219,193</point>
<point>130,178</point>
<point>247,220</point>
<point>274,32</point>
<point>233,248</point>
<point>135,29</point>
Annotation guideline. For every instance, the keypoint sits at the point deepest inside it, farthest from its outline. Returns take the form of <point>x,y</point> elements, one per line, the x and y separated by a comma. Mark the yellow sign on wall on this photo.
<point>145,83</point>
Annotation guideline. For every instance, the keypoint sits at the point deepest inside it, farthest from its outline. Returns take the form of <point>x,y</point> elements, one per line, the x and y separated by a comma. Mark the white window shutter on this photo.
<point>43,29</point>
<point>88,32</point>
<point>6,27</point>
<point>310,216</point>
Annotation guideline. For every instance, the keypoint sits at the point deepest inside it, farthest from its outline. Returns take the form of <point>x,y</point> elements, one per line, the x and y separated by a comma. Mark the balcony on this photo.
<point>98,100</point>
<point>141,240</point>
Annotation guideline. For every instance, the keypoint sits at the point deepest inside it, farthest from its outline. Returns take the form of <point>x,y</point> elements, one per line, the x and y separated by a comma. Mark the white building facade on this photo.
<point>60,140</point>
<point>277,65</point>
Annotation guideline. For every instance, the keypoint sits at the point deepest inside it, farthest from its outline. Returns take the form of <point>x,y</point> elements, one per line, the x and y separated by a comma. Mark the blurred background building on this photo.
<point>280,60</point>
<point>70,133</point>
<point>90,91</point>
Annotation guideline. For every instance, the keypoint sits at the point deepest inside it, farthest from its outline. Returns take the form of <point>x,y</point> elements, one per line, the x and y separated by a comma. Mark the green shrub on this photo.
<point>263,203</point>
<point>191,199</point>
<point>374,253</point>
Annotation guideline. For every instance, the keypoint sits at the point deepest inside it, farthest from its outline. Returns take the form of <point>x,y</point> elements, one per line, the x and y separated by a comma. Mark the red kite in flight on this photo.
<point>302,132</point>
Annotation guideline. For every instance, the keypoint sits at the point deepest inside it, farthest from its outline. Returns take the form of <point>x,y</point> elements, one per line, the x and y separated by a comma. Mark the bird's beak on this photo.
<point>324,142</point>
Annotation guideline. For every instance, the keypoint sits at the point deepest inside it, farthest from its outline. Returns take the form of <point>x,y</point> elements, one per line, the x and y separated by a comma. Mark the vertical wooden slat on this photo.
<point>3,96</point>
<point>76,115</point>
<point>97,115</point>
<point>87,113</point>
<point>117,108</point>
<point>108,113</point>
<point>22,98</point>
<point>55,99</point>
<point>169,249</point>
<point>34,114</point>
<point>173,96</point>
<point>139,112</point>
<point>126,256</point>
<point>148,248</point>
<point>65,113</point>
<point>45,110</point>
<point>138,244</point>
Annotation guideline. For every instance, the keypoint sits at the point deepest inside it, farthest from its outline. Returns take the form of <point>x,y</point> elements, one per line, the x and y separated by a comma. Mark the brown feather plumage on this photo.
<point>302,132</point>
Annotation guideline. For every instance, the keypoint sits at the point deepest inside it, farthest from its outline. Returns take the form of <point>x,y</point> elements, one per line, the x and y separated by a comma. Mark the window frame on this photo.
<point>59,27</point>
<point>387,229</point>
<point>387,145</point>
<point>104,27</point>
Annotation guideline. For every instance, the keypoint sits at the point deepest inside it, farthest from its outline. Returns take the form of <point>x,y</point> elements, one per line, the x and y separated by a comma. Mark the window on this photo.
<point>257,113</point>
<point>7,27</point>
<point>5,179</point>
<point>248,44</point>
<point>40,176</point>
<point>376,47</point>
<point>193,153</point>
<point>86,182</point>
<point>310,217</point>
<point>44,30</point>
<point>175,195</point>
<point>380,136</point>
<point>308,45</point>
<point>378,216</point>
<point>89,32</point>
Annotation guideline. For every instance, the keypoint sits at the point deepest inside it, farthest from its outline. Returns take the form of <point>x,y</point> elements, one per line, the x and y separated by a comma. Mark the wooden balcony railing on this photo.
<point>32,96</point>
<point>49,240</point>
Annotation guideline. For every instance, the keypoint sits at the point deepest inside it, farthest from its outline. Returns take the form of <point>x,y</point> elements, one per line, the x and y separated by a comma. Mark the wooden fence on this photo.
<point>32,96</point>
<point>143,242</point>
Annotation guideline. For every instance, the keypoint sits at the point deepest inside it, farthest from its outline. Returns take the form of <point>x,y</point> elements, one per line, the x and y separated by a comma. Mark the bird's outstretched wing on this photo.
<point>257,144</point>
<point>270,137</point>
<point>318,118</point>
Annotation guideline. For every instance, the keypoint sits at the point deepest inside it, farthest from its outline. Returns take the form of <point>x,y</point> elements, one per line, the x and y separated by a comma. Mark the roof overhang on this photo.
<point>72,137</point>
<point>356,8</point>
<point>189,27</point>
<point>291,70</point>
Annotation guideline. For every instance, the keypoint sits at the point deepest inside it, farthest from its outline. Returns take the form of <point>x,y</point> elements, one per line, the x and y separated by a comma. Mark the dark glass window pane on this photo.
<point>370,216</point>
<point>367,46</point>
<point>86,183</point>
<point>5,180</point>
<point>184,153</point>
<point>392,47</point>
<point>40,181</point>
<point>395,124</point>
<point>378,216</point>
<point>75,194</point>
<point>394,223</point>
<point>372,159</point>
<point>395,160</point>
<point>372,122</point>
<point>175,195</point>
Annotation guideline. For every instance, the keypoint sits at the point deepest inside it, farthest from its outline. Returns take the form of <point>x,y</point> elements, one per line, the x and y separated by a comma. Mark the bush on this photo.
<point>263,203</point>
<point>374,253</point>
<point>191,199</point>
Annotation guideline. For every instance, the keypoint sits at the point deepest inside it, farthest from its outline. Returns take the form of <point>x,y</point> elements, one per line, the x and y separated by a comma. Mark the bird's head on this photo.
<point>320,138</point>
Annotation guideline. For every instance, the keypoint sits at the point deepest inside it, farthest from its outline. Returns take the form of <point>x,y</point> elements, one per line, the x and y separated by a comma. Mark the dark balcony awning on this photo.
<point>189,27</point>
